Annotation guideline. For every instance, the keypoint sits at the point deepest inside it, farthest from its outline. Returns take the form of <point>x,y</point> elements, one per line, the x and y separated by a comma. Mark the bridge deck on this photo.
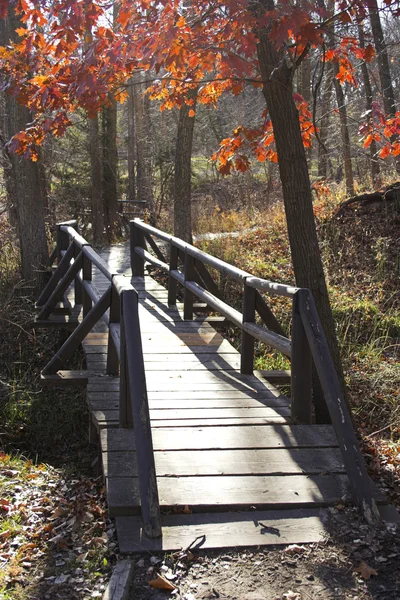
<point>231,468</point>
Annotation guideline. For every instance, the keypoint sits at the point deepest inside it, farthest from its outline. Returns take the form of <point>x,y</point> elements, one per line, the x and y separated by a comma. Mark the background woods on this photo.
<point>266,133</point>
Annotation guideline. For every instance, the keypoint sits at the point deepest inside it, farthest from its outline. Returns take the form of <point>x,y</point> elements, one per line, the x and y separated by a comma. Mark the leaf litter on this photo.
<point>56,540</point>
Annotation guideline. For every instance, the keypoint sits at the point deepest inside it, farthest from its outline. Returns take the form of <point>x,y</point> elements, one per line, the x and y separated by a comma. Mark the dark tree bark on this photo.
<point>96,178</point>
<point>344,131</point>
<point>324,123</point>
<point>25,183</point>
<point>183,171</point>
<point>131,146</point>
<point>277,87</point>
<point>110,168</point>
<point>374,165</point>
<point>144,167</point>
<point>389,102</point>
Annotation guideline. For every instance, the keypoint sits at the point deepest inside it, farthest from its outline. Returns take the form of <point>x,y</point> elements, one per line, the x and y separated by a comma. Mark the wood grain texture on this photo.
<point>216,438</point>
<point>220,491</point>
<point>230,462</point>
<point>222,530</point>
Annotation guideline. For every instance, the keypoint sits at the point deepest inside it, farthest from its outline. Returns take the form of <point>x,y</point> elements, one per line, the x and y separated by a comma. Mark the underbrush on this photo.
<point>53,519</point>
<point>43,424</point>
<point>361,253</point>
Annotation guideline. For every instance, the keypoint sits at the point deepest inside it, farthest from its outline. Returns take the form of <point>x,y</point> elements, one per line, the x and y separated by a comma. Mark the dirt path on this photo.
<point>355,563</point>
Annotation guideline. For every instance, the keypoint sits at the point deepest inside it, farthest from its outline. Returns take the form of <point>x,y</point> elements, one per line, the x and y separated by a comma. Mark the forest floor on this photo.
<point>56,540</point>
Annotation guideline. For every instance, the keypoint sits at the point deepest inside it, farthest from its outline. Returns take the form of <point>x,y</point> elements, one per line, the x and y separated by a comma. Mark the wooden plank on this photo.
<point>230,462</point>
<point>177,348</point>
<point>282,377</point>
<point>227,359</point>
<point>101,361</point>
<point>119,584</point>
<point>226,530</point>
<point>218,413</point>
<point>175,385</point>
<point>215,438</point>
<point>170,401</point>
<point>66,378</point>
<point>110,418</point>
<point>205,492</point>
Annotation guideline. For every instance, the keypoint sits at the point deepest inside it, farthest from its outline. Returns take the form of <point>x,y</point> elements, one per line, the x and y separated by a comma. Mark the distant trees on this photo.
<point>224,50</point>
<point>24,181</point>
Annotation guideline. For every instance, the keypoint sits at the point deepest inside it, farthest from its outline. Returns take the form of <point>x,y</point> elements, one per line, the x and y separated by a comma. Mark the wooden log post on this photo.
<point>141,415</point>
<point>125,401</point>
<point>78,293</point>
<point>58,293</point>
<point>78,335</point>
<point>247,344</point>
<point>172,283</point>
<point>359,480</point>
<point>86,276</point>
<point>301,370</point>
<point>57,276</point>
<point>136,239</point>
<point>188,298</point>
<point>115,317</point>
<point>62,241</point>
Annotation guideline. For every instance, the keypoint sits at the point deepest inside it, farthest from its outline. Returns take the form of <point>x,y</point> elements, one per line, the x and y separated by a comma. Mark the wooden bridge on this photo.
<point>195,446</point>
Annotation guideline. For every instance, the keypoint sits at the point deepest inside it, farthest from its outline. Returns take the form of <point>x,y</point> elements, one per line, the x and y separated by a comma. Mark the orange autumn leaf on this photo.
<point>161,583</point>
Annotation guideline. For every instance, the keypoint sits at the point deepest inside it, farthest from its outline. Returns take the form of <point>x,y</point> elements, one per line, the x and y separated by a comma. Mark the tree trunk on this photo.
<point>389,102</point>
<point>183,171</point>
<point>324,123</point>
<point>110,168</point>
<point>96,178</point>
<point>374,165</point>
<point>344,131</point>
<point>297,195</point>
<point>26,184</point>
<point>131,145</point>
<point>144,167</point>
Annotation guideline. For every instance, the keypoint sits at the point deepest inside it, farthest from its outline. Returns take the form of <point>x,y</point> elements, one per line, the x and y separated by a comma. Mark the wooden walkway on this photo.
<point>223,441</point>
<point>232,468</point>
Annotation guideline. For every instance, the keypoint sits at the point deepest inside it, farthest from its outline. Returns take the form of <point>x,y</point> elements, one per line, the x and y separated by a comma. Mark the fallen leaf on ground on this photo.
<point>162,583</point>
<point>365,570</point>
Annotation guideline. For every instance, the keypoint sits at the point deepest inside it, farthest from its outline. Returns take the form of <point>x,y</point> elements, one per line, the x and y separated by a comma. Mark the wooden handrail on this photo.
<point>76,260</point>
<point>307,347</point>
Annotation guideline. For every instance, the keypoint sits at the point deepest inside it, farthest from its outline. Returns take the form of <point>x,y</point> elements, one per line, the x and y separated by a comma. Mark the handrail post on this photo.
<point>125,401</point>
<point>172,283</point>
<point>115,317</point>
<point>78,296</point>
<point>247,343</point>
<point>189,275</point>
<point>62,241</point>
<point>86,276</point>
<point>136,239</point>
<point>135,375</point>
<point>301,367</point>
<point>360,483</point>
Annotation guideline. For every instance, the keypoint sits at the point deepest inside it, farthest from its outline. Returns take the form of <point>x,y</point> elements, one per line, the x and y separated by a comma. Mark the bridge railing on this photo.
<point>117,306</point>
<point>307,346</point>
